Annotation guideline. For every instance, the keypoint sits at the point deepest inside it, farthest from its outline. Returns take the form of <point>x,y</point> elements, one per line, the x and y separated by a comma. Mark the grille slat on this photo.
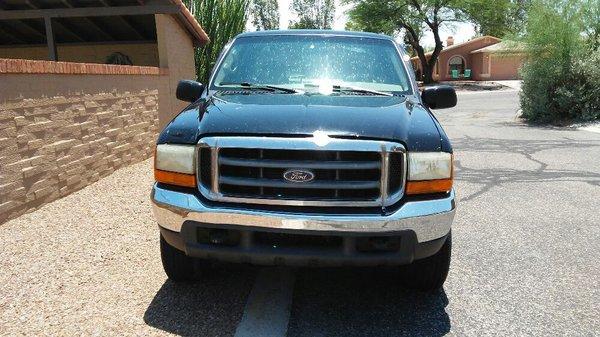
<point>346,185</point>
<point>272,163</point>
<point>345,172</point>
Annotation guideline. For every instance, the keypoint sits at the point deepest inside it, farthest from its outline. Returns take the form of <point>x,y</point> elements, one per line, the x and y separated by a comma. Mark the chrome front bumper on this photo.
<point>429,219</point>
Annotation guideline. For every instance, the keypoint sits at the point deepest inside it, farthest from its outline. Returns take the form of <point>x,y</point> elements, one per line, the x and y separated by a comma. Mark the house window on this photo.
<point>456,63</point>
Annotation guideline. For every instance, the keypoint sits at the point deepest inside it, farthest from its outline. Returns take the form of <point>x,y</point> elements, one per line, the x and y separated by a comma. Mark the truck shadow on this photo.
<point>363,302</point>
<point>211,306</point>
<point>326,302</point>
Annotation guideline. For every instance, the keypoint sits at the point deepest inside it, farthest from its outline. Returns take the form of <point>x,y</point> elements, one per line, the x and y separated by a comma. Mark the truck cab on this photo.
<point>308,148</point>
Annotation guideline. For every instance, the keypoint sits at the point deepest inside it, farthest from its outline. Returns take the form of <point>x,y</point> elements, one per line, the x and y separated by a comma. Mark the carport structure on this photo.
<point>85,85</point>
<point>67,24</point>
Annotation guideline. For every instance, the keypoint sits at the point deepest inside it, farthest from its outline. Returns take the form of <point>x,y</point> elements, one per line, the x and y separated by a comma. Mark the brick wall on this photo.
<point>59,132</point>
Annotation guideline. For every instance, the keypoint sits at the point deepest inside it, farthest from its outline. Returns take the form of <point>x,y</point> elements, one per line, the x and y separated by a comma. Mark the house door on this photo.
<point>456,63</point>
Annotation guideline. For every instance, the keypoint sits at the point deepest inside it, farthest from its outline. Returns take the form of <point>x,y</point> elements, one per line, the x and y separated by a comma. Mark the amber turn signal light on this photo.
<point>428,186</point>
<point>175,178</point>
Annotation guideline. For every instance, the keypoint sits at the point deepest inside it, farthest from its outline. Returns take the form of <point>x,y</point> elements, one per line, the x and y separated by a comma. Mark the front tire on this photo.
<point>428,274</point>
<point>178,266</point>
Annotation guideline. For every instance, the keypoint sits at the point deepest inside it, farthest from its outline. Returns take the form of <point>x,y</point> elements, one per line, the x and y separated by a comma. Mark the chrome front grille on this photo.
<point>346,172</point>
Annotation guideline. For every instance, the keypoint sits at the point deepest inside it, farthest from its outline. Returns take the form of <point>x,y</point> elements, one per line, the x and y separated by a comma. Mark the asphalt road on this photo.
<point>525,255</point>
<point>526,241</point>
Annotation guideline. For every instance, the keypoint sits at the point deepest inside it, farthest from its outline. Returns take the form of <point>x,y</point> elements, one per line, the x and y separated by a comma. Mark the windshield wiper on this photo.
<point>346,88</point>
<point>339,88</point>
<point>271,88</point>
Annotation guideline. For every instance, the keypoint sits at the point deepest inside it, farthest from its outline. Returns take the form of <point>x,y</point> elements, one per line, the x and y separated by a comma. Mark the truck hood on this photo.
<point>371,117</point>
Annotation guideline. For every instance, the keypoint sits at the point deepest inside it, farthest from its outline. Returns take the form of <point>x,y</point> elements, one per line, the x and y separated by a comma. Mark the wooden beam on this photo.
<point>82,44</point>
<point>103,28</point>
<point>53,55</point>
<point>31,4</point>
<point>31,28</point>
<point>34,5</point>
<point>125,21</point>
<point>70,31</point>
<point>87,12</point>
<point>98,29</point>
<point>11,36</point>
<point>67,3</point>
<point>15,32</point>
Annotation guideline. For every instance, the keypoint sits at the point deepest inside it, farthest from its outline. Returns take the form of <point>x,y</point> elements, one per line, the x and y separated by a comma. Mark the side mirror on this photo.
<point>439,97</point>
<point>189,91</point>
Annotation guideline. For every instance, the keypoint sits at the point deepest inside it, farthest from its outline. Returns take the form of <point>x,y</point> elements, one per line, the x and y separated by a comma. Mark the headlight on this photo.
<point>429,165</point>
<point>175,164</point>
<point>429,172</point>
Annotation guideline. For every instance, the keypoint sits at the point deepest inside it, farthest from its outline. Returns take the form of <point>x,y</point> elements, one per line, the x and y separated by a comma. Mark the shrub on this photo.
<point>581,95</point>
<point>119,58</point>
<point>561,73</point>
<point>553,97</point>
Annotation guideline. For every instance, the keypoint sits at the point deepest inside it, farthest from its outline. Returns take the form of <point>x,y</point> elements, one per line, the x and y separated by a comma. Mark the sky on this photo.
<point>462,31</point>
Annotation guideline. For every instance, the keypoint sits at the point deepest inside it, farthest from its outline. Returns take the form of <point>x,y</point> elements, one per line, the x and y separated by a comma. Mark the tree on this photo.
<point>411,18</point>
<point>561,74</point>
<point>591,16</point>
<point>221,20</point>
<point>313,14</point>
<point>265,14</point>
<point>498,17</point>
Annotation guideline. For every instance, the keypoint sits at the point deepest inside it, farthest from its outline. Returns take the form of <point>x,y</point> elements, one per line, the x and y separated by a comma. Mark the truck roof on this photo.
<point>315,32</point>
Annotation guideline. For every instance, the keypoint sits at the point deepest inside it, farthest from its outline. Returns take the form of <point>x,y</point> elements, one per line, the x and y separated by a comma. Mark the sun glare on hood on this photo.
<point>321,138</point>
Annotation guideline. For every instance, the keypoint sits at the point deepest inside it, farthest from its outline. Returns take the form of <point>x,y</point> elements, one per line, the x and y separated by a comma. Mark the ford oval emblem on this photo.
<point>298,176</point>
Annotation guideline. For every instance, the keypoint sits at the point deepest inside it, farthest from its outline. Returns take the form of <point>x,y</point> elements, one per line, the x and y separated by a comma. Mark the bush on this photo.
<point>561,74</point>
<point>119,58</point>
<point>549,96</point>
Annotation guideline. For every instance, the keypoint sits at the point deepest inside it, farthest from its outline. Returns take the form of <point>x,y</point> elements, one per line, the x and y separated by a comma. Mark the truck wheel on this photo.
<point>428,274</point>
<point>178,266</point>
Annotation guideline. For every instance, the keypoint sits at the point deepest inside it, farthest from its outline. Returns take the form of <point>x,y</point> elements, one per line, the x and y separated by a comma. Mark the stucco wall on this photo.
<point>462,51</point>
<point>505,66</point>
<point>60,132</point>
<point>176,52</point>
<point>141,54</point>
<point>477,66</point>
<point>440,72</point>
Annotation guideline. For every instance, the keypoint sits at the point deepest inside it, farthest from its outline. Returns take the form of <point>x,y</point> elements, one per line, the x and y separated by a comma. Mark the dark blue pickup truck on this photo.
<point>308,148</point>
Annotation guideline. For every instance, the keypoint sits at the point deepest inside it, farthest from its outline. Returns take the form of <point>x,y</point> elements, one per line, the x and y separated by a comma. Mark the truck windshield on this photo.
<point>314,63</point>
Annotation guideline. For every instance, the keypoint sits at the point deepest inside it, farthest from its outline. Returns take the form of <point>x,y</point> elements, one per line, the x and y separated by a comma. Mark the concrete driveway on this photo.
<point>525,258</point>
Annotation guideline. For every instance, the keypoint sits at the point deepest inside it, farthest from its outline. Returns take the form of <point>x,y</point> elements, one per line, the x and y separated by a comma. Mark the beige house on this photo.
<point>482,59</point>
<point>67,118</point>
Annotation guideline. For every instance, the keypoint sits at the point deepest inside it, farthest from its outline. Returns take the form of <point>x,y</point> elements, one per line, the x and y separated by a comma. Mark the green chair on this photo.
<point>467,73</point>
<point>454,73</point>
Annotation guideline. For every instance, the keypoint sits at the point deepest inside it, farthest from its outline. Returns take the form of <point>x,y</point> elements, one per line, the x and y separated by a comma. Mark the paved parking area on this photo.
<point>525,258</point>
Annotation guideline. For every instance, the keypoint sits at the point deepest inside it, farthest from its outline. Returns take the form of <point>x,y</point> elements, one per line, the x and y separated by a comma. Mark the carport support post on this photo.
<point>53,56</point>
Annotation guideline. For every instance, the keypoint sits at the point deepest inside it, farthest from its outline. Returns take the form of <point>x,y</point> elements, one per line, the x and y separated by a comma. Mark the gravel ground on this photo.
<point>525,253</point>
<point>88,264</point>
